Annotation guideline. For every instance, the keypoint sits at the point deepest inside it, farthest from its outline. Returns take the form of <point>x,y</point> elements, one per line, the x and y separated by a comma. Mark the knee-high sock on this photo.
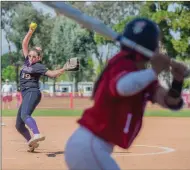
<point>31,123</point>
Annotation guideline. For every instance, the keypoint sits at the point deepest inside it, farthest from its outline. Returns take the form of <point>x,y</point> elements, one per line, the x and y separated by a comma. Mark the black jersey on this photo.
<point>30,74</point>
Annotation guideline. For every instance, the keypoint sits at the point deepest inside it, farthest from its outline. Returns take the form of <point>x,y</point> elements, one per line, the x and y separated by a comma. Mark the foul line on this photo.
<point>166,150</point>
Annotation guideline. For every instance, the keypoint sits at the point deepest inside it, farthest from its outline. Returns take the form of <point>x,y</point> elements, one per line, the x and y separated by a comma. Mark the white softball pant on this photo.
<point>85,151</point>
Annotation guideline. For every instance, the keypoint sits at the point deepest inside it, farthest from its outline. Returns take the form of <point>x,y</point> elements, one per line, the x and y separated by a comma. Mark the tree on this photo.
<point>172,23</point>
<point>186,84</point>
<point>9,73</point>
<point>56,45</point>
<point>63,77</point>
<point>5,60</point>
<point>187,62</point>
<point>23,16</point>
<point>14,63</point>
<point>169,22</point>
<point>110,13</point>
<point>69,40</point>
<point>8,11</point>
<point>79,45</point>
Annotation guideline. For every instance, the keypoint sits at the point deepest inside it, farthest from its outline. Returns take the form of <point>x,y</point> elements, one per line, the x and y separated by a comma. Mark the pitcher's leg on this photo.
<point>20,126</point>
<point>30,101</point>
<point>28,106</point>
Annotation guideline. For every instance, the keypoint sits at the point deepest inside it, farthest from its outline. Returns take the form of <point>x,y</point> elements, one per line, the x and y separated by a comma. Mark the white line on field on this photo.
<point>166,150</point>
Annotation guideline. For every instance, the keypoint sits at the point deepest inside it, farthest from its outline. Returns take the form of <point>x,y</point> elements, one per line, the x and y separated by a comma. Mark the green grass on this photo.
<point>149,113</point>
<point>46,112</point>
<point>168,113</point>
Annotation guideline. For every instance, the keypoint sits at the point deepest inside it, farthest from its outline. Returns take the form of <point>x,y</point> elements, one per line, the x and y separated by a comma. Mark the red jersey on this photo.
<point>117,119</point>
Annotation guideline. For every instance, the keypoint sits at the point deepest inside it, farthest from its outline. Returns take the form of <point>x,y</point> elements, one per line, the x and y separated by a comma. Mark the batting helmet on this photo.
<point>144,32</point>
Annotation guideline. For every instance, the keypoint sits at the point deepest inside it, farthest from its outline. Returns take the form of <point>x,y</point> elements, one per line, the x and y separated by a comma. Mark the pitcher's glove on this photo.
<point>72,64</point>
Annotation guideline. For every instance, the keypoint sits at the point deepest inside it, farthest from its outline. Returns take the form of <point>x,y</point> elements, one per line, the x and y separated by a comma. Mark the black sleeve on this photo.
<point>40,69</point>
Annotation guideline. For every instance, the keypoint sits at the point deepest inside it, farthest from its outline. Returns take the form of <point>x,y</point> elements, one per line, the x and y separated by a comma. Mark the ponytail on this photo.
<point>127,55</point>
<point>98,82</point>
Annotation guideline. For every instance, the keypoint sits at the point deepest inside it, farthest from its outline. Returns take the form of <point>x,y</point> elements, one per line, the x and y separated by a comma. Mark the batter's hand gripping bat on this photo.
<point>99,27</point>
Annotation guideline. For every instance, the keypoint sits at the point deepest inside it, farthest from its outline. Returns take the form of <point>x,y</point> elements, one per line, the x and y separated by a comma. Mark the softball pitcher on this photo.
<point>30,74</point>
<point>120,97</point>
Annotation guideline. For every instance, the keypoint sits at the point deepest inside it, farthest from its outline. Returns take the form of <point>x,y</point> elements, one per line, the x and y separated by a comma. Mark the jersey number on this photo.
<point>26,76</point>
<point>128,122</point>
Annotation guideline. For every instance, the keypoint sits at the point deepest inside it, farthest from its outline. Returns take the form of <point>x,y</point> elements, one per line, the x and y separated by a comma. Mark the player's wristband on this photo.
<point>176,89</point>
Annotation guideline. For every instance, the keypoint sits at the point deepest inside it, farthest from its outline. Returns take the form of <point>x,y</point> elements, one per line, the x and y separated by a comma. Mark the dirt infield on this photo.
<point>162,144</point>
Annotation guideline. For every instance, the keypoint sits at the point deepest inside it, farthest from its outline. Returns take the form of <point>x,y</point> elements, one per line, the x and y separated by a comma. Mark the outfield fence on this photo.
<point>74,101</point>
